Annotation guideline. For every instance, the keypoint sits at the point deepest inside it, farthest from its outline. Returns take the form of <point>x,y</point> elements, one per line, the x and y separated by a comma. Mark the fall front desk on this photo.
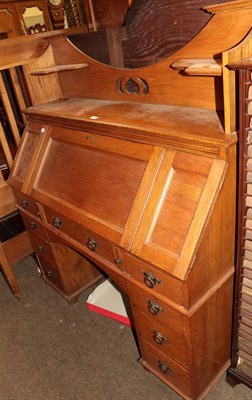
<point>155,218</point>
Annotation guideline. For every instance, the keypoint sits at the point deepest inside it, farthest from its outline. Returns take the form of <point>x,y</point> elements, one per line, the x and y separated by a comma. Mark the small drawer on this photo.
<point>153,278</point>
<point>27,203</point>
<point>162,337</point>
<point>157,309</point>
<point>42,249</point>
<point>166,368</point>
<point>51,274</point>
<point>80,234</point>
<point>33,225</point>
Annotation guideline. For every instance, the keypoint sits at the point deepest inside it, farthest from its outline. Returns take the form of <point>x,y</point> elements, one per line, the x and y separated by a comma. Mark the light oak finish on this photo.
<point>58,68</point>
<point>199,67</point>
<point>132,172</point>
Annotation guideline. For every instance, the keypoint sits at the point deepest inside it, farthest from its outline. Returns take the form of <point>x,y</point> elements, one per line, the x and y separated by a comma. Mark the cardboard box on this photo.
<point>108,300</point>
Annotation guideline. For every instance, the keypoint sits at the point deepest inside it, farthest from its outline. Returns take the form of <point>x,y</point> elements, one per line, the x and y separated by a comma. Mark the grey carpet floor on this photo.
<point>50,350</point>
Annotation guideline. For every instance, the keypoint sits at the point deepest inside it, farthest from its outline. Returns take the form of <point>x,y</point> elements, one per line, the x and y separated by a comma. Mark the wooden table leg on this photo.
<point>8,273</point>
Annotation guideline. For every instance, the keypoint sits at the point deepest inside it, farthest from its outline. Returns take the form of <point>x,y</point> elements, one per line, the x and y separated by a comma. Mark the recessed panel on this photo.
<point>100,182</point>
<point>177,210</point>
<point>25,157</point>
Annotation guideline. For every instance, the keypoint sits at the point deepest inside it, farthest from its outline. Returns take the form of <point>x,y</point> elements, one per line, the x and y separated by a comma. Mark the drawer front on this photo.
<point>157,309</point>
<point>42,249</point>
<point>166,368</point>
<point>27,203</point>
<point>86,238</point>
<point>162,337</point>
<point>50,274</point>
<point>153,278</point>
<point>33,226</point>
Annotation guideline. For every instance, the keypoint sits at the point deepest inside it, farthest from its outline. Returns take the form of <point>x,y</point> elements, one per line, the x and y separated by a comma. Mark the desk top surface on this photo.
<point>149,121</point>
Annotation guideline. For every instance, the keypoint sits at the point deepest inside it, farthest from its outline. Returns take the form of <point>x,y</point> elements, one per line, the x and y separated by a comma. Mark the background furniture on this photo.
<point>14,241</point>
<point>57,13</point>
<point>15,17</point>
<point>241,368</point>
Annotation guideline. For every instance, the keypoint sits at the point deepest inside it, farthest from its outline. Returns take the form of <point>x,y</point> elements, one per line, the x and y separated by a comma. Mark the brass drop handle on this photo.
<point>57,223</point>
<point>41,249</point>
<point>118,261</point>
<point>164,368</point>
<point>49,273</point>
<point>92,244</point>
<point>33,225</point>
<point>154,308</point>
<point>159,338</point>
<point>25,203</point>
<point>150,280</point>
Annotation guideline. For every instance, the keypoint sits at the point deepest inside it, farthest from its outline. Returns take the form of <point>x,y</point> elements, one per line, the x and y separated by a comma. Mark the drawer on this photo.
<point>27,203</point>
<point>33,225</point>
<point>80,234</point>
<point>42,249</point>
<point>153,278</point>
<point>50,274</point>
<point>162,337</point>
<point>156,309</point>
<point>166,368</point>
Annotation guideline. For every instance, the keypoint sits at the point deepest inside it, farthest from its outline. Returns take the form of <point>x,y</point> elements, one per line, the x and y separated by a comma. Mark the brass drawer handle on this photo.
<point>159,338</point>
<point>33,225</point>
<point>57,223</point>
<point>164,368</point>
<point>25,203</point>
<point>92,244</point>
<point>49,273</point>
<point>154,308</point>
<point>118,261</point>
<point>150,280</point>
<point>41,249</point>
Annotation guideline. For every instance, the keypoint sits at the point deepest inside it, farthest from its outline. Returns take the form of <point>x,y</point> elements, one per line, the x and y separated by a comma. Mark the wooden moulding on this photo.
<point>199,67</point>
<point>58,68</point>
<point>231,61</point>
<point>228,6</point>
<point>245,63</point>
<point>21,50</point>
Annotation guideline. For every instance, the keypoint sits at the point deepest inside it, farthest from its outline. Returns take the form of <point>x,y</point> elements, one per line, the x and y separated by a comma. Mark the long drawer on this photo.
<point>80,234</point>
